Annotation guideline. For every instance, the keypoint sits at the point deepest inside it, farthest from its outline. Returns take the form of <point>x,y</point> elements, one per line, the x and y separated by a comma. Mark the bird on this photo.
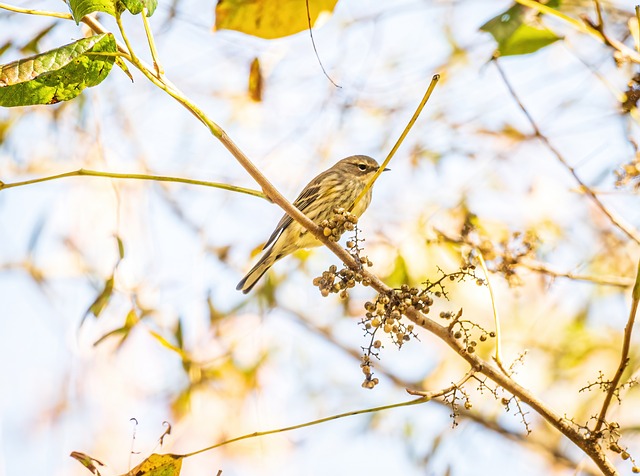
<point>336,187</point>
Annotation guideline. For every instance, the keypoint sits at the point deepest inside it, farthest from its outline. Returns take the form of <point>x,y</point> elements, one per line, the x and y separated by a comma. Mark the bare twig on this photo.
<point>444,391</point>
<point>624,357</point>
<point>544,268</point>
<point>606,280</point>
<point>616,221</point>
<point>315,50</point>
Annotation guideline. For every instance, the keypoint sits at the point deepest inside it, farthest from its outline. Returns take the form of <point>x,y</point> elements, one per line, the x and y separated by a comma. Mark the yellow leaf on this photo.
<point>635,32</point>
<point>255,81</point>
<point>158,465</point>
<point>269,18</point>
<point>165,343</point>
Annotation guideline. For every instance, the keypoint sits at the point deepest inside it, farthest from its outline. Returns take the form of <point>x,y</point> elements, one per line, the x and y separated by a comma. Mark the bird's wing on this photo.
<point>308,196</point>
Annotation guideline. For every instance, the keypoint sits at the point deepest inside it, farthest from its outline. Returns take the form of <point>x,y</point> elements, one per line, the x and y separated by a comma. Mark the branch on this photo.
<point>626,229</point>
<point>588,446</point>
<point>624,357</point>
<point>157,178</point>
<point>541,444</point>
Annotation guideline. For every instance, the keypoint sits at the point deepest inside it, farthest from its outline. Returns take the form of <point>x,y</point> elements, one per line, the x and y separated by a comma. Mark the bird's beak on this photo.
<point>386,170</point>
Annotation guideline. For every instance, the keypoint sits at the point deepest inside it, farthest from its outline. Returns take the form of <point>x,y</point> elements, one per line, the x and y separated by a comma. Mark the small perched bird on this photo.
<point>335,187</point>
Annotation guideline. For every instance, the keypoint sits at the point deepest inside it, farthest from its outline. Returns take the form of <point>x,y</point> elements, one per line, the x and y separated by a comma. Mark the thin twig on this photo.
<point>606,280</point>
<point>624,357</point>
<point>616,221</point>
<point>152,44</point>
<point>157,178</point>
<point>544,268</point>
<point>496,318</point>
<point>417,401</point>
<point>315,50</point>
<point>440,393</point>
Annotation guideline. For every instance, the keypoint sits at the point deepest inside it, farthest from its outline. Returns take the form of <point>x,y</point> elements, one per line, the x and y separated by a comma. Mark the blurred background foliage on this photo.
<point>118,296</point>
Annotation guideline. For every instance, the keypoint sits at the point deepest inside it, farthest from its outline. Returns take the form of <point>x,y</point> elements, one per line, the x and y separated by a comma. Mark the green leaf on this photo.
<point>80,8</point>
<point>505,24</point>
<point>57,75</point>
<point>158,465</point>
<point>269,18</point>
<point>514,36</point>
<point>527,39</point>
<point>136,6</point>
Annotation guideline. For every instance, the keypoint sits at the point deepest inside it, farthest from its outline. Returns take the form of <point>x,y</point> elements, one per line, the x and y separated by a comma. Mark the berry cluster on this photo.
<point>387,309</point>
<point>339,281</point>
<point>341,221</point>
<point>462,329</point>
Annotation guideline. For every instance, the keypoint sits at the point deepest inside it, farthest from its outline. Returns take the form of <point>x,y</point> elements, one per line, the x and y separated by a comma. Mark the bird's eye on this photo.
<point>362,167</point>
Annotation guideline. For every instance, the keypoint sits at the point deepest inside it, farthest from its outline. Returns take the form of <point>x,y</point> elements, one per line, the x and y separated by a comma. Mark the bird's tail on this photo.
<point>249,281</point>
